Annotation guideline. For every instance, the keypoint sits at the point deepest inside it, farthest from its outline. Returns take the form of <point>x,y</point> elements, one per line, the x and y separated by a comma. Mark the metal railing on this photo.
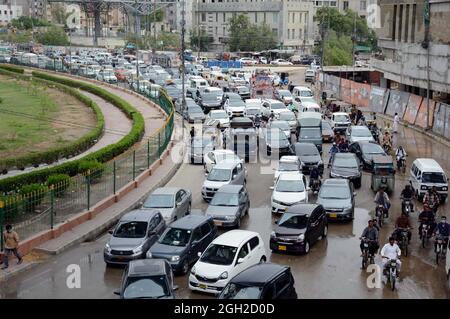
<point>50,205</point>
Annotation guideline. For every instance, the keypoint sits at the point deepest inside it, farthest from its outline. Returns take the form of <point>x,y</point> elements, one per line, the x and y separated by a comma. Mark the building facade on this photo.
<point>407,63</point>
<point>291,20</point>
<point>9,9</point>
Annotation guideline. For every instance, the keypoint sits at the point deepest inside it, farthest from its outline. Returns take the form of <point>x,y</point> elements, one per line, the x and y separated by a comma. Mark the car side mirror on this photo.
<point>354,194</point>
<point>151,232</point>
<point>271,187</point>
<point>308,189</point>
<point>116,292</point>
<point>234,176</point>
<point>199,254</point>
<point>110,231</point>
<point>240,261</point>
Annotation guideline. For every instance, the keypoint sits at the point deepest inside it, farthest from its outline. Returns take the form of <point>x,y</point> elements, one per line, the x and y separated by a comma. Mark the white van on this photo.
<point>310,75</point>
<point>426,173</point>
<point>302,91</point>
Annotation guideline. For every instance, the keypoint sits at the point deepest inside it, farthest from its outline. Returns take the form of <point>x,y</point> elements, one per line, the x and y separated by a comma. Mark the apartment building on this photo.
<point>9,9</point>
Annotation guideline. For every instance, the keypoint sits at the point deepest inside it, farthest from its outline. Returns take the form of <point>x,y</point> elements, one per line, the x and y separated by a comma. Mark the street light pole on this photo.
<point>183,30</point>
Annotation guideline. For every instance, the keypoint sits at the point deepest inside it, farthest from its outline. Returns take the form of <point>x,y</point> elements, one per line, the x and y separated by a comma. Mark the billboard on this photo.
<point>421,119</point>
<point>360,94</point>
<point>397,103</point>
<point>376,99</point>
<point>412,108</point>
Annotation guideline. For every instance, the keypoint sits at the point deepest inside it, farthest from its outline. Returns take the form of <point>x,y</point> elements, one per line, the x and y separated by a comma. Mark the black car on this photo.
<point>265,281</point>
<point>277,141</point>
<point>346,165</point>
<point>147,279</point>
<point>298,228</point>
<point>366,150</point>
<point>209,101</point>
<point>183,240</point>
<point>309,156</point>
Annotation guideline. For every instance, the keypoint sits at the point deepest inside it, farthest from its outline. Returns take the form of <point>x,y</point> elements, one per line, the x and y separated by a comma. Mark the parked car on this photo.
<point>309,156</point>
<point>243,91</point>
<point>106,76</point>
<point>287,164</point>
<point>133,236</point>
<point>272,106</point>
<point>213,157</point>
<point>223,173</point>
<point>337,196</point>
<point>183,240</point>
<point>277,141</point>
<point>298,228</point>
<point>327,131</point>
<point>253,107</point>
<point>265,281</point>
<point>228,255</point>
<point>289,189</point>
<point>248,61</point>
<point>147,279</point>
<point>281,62</point>
<point>219,115</point>
<point>356,133</point>
<point>346,165</point>
<point>229,205</point>
<point>310,75</point>
<point>235,108</point>
<point>172,202</point>
<point>366,151</point>
<point>189,103</point>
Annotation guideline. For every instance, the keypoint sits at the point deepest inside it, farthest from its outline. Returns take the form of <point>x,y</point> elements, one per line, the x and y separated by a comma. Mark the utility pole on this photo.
<point>199,41</point>
<point>183,30</point>
<point>353,53</point>
<point>426,45</point>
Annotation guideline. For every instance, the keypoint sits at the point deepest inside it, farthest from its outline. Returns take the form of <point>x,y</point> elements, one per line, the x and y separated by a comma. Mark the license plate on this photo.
<point>281,247</point>
<point>120,258</point>
<point>202,286</point>
<point>218,223</point>
<point>333,215</point>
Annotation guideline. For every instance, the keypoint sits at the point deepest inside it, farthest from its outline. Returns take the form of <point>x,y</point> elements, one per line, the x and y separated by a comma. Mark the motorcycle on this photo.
<point>315,186</point>
<point>424,234</point>
<point>401,164</point>
<point>390,271</point>
<point>403,242</point>
<point>367,257</point>
<point>407,206</point>
<point>440,248</point>
<point>387,148</point>
<point>379,215</point>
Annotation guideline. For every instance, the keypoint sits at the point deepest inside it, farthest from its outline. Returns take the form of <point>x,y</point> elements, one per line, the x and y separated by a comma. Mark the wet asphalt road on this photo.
<point>330,270</point>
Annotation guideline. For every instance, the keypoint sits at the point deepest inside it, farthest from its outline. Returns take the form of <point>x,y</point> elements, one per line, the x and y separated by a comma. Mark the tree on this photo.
<point>27,23</point>
<point>59,15</point>
<point>165,40</point>
<point>245,36</point>
<point>53,36</point>
<point>204,40</point>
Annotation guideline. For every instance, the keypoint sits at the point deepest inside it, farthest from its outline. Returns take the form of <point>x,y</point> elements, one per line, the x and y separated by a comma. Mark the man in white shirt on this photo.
<point>391,251</point>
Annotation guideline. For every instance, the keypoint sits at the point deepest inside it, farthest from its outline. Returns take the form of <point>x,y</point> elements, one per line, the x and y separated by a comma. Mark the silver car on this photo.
<point>337,196</point>
<point>173,203</point>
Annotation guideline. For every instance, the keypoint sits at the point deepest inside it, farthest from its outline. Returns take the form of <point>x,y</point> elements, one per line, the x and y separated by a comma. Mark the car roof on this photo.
<point>340,113</point>
<point>289,158</point>
<point>226,165</point>
<point>150,266</point>
<point>302,209</point>
<point>141,215</point>
<point>189,222</point>
<point>428,163</point>
<point>253,100</point>
<point>336,181</point>
<point>344,155</point>
<point>230,189</point>
<point>315,115</point>
<point>359,127</point>
<point>272,101</point>
<point>259,274</point>
<point>234,237</point>
<point>302,88</point>
<point>220,152</point>
<point>166,190</point>
<point>291,176</point>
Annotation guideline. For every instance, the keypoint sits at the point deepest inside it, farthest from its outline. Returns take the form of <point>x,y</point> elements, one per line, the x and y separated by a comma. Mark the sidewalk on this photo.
<point>158,175</point>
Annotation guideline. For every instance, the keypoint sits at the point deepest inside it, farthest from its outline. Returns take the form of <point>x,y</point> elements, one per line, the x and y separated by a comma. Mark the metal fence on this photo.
<point>49,205</point>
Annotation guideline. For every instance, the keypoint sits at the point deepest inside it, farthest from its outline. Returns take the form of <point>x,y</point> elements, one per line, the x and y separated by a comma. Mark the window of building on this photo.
<point>224,17</point>
<point>400,22</point>
<point>293,33</point>
<point>332,3</point>
<point>289,33</point>
<point>362,5</point>
<point>264,17</point>
<point>275,31</point>
<point>275,17</point>
<point>256,17</point>
<point>413,23</point>
<point>203,17</point>
<point>345,5</point>
<point>394,22</point>
<point>406,22</point>
<point>224,30</point>
<point>217,30</point>
<point>217,16</point>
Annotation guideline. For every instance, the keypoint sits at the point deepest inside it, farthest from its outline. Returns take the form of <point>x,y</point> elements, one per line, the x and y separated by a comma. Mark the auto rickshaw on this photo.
<point>383,173</point>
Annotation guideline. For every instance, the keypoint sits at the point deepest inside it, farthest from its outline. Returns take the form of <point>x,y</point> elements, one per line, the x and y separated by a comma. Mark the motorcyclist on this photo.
<point>314,174</point>
<point>426,217</point>
<point>386,141</point>
<point>381,198</point>
<point>343,145</point>
<point>257,120</point>
<point>391,251</point>
<point>400,154</point>
<point>407,194</point>
<point>362,121</point>
<point>402,223</point>
<point>370,233</point>
<point>443,230</point>
<point>432,199</point>
<point>333,150</point>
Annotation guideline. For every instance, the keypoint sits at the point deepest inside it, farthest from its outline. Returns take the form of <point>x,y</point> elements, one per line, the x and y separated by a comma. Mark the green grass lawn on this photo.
<point>31,129</point>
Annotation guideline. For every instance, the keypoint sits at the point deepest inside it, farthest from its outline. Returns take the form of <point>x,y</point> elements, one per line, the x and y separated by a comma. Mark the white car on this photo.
<point>281,62</point>
<point>214,157</point>
<point>290,188</point>
<point>227,255</point>
<point>221,116</point>
<point>287,164</point>
<point>248,61</point>
<point>340,121</point>
<point>234,108</point>
<point>289,117</point>
<point>273,106</point>
<point>106,76</point>
<point>357,133</point>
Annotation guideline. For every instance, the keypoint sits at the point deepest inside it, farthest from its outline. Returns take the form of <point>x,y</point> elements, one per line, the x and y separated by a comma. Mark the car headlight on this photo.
<point>149,254</point>
<point>272,234</point>
<point>223,275</point>
<point>175,258</point>
<point>230,217</point>
<point>301,237</point>
<point>137,250</point>
<point>193,270</point>
<point>276,202</point>
<point>108,248</point>
<point>423,187</point>
<point>348,208</point>
<point>319,162</point>
<point>444,188</point>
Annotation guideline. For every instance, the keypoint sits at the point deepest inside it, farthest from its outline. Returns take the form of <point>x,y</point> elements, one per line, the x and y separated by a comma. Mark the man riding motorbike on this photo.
<point>402,224</point>
<point>391,251</point>
<point>381,198</point>
<point>432,199</point>
<point>400,155</point>
<point>386,142</point>
<point>314,175</point>
<point>426,218</point>
<point>333,150</point>
<point>370,233</point>
<point>442,230</point>
<point>407,194</point>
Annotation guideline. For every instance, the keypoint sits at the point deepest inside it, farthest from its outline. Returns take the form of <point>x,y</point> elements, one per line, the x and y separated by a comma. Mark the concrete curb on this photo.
<point>7,274</point>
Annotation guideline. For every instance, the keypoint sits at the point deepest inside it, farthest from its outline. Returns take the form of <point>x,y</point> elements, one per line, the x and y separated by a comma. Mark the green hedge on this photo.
<point>103,155</point>
<point>72,149</point>
<point>12,68</point>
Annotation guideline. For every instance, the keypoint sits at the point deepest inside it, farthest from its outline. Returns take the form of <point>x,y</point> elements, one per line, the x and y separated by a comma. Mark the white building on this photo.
<point>9,10</point>
<point>359,6</point>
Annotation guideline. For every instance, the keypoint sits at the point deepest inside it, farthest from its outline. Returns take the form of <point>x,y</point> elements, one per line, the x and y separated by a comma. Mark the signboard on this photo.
<point>376,99</point>
<point>397,103</point>
<point>413,108</point>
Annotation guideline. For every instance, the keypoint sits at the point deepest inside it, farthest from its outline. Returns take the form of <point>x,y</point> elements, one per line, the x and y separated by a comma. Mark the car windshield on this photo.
<point>225,199</point>
<point>308,150</point>
<point>243,89</point>
<point>361,132</point>
<point>236,103</point>
<point>433,178</point>
<point>277,106</point>
<point>219,175</point>
<point>209,97</point>
<point>219,115</point>
<point>236,291</point>
<point>234,97</point>
<point>285,93</point>
<point>341,118</point>
<point>195,110</point>
<point>128,229</point>
<point>146,287</point>
<point>287,116</point>
<point>253,111</point>
<point>283,125</point>
<point>219,255</point>
<point>371,148</point>
<point>306,93</point>
<point>294,221</point>
<point>345,162</point>
<point>334,192</point>
<point>159,201</point>
<point>290,186</point>
<point>175,237</point>
<point>288,166</point>
<point>310,133</point>
<point>276,135</point>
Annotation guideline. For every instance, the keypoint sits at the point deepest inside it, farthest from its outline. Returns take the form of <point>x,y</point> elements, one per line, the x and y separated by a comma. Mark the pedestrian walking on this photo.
<point>396,122</point>
<point>192,133</point>
<point>11,240</point>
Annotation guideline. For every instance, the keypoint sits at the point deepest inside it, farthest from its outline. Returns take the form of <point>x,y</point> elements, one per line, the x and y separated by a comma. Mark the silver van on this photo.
<point>426,173</point>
